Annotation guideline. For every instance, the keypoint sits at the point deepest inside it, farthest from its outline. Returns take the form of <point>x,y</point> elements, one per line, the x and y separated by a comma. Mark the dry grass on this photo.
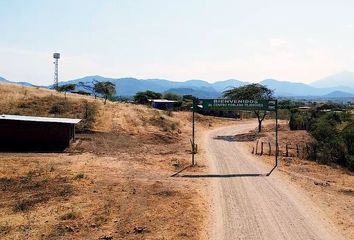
<point>30,101</point>
<point>114,181</point>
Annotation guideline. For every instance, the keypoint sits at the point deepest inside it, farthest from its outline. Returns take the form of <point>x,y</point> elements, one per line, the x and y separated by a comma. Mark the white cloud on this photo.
<point>349,26</point>
<point>278,42</point>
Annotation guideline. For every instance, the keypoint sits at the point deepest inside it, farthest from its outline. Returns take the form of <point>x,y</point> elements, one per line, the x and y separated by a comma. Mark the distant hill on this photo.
<point>338,94</point>
<point>284,88</point>
<point>17,83</point>
<point>3,80</point>
<point>129,86</point>
<point>340,81</point>
<point>227,84</point>
<point>200,93</point>
<point>203,89</point>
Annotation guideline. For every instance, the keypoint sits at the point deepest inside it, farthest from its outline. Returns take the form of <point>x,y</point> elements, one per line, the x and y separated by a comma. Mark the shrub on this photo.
<point>172,96</point>
<point>350,162</point>
<point>79,176</point>
<point>69,216</point>
<point>60,107</point>
<point>142,97</point>
<point>22,206</point>
<point>90,112</point>
<point>334,134</point>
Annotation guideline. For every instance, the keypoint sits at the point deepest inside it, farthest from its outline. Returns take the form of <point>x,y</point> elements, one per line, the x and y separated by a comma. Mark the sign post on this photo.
<point>193,131</point>
<point>235,105</point>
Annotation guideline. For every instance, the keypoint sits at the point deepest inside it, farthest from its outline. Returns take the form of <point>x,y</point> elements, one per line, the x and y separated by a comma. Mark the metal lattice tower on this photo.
<point>56,57</point>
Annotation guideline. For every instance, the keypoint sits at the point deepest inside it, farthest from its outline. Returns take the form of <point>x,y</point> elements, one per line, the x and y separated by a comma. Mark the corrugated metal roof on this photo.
<point>39,119</point>
<point>161,101</point>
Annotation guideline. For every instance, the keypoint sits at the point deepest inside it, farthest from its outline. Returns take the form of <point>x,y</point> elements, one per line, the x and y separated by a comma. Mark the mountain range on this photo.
<point>337,86</point>
<point>18,83</point>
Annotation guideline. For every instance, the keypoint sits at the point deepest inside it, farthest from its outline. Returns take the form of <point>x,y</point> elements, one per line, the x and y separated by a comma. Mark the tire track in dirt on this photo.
<point>256,207</point>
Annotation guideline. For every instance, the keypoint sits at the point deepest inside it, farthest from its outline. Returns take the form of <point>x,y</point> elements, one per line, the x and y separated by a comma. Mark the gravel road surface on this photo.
<point>248,205</point>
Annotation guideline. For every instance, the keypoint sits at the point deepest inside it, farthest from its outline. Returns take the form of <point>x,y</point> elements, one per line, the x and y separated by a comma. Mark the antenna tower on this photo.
<point>56,57</point>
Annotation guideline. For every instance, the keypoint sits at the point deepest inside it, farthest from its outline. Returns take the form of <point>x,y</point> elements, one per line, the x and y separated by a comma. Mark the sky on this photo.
<point>213,40</point>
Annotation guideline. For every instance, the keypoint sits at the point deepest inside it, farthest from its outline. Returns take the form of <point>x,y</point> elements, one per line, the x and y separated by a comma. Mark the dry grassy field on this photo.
<point>112,183</point>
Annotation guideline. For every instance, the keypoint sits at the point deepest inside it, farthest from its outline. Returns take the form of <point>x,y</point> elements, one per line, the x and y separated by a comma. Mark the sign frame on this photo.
<point>270,105</point>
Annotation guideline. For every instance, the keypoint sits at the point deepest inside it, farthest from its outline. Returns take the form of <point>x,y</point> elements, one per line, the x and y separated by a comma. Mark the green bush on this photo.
<point>334,143</point>
<point>350,162</point>
<point>143,97</point>
<point>172,96</point>
<point>348,136</point>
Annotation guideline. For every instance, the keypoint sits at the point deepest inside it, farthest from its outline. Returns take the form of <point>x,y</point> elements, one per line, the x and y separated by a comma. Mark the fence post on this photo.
<point>262,148</point>
<point>303,152</point>
<point>269,148</point>
<point>257,147</point>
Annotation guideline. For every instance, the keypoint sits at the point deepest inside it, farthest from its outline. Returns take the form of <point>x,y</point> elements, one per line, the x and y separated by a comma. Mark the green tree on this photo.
<point>172,96</point>
<point>106,89</point>
<point>348,137</point>
<point>66,88</point>
<point>188,97</point>
<point>329,140</point>
<point>89,86</point>
<point>143,97</point>
<point>253,91</point>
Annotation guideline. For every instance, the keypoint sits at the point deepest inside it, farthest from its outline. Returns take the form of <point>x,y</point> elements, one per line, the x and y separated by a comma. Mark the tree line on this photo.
<point>97,88</point>
<point>333,131</point>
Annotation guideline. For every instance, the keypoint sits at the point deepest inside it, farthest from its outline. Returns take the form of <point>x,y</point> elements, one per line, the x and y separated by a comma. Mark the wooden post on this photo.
<point>257,147</point>
<point>193,131</point>
<point>262,148</point>
<point>269,148</point>
<point>303,152</point>
<point>297,151</point>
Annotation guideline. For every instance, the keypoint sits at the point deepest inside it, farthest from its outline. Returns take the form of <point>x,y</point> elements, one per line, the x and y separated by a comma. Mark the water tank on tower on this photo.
<point>56,57</point>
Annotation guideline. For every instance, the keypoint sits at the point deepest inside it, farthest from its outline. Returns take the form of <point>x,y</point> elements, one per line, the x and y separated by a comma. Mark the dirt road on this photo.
<point>248,206</point>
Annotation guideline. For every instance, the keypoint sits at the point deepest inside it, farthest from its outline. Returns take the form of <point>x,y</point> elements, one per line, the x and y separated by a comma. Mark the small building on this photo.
<point>305,108</point>
<point>163,104</point>
<point>27,133</point>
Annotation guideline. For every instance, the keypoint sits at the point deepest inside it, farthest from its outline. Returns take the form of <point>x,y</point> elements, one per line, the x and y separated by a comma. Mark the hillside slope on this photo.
<point>114,181</point>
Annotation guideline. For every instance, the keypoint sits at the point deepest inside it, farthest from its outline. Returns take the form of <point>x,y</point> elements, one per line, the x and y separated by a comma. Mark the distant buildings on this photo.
<point>163,104</point>
<point>304,108</point>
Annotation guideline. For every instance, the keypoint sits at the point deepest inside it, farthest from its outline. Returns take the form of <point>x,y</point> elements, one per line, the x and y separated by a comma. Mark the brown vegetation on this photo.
<point>114,181</point>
